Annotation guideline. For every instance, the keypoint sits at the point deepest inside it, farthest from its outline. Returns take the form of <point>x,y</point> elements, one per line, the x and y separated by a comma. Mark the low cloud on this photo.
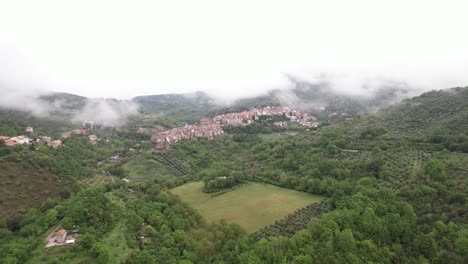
<point>26,100</point>
<point>46,104</point>
<point>325,90</point>
<point>107,112</point>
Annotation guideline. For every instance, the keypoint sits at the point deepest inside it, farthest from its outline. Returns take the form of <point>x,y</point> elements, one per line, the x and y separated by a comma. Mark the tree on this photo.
<point>373,131</point>
<point>435,169</point>
<point>345,241</point>
<point>87,241</point>
<point>426,245</point>
<point>51,217</point>
<point>461,243</point>
<point>464,147</point>
<point>101,253</point>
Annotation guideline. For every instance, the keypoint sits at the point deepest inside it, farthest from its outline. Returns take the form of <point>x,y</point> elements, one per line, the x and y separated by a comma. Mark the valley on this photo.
<point>389,185</point>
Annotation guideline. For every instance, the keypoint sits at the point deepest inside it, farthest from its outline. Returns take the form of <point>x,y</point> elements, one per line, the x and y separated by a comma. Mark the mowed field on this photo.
<point>251,206</point>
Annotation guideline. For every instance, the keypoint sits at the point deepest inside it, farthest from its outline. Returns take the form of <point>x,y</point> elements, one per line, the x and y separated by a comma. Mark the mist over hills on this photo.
<point>319,99</point>
<point>67,107</point>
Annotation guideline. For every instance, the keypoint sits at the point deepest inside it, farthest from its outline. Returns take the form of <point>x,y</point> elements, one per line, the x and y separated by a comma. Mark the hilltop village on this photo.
<point>212,127</point>
<point>208,127</point>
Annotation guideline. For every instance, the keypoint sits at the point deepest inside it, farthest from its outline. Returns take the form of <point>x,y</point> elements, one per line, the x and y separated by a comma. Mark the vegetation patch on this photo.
<point>23,187</point>
<point>97,180</point>
<point>252,206</point>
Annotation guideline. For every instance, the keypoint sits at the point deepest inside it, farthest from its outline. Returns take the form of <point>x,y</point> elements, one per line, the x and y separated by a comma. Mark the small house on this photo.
<point>93,139</point>
<point>66,134</point>
<point>60,236</point>
<point>115,159</point>
<point>56,143</point>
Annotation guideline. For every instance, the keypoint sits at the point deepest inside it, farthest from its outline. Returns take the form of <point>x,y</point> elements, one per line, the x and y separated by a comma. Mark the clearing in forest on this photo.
<point>251,205</point>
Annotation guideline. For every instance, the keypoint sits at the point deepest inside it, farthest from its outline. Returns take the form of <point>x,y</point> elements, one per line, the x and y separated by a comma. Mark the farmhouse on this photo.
<point>50,142</point>
<point>60,236</point>
<point>68,134</point>
<point>281,124</point>
<point>79,132</point>
<point>56,143</point>
<point>4,139</point>
<point>93,139</point>
<point>10,143</point>
<point>47,140</point>
<point>29,129</point>
<point>115,159</point>
<point>17,140</point>
<point>21,140</point>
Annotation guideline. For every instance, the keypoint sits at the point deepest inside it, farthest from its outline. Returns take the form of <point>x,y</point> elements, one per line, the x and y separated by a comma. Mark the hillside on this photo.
<point>174,109</point>
<point>444,111</point>
<point>24,187</point>
<point>65,101</point>
<point>432,113</point>
<point>13,122</point>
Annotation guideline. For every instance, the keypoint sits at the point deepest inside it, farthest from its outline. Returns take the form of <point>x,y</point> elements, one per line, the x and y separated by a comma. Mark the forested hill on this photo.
<point>174,101</point>
<point>65,101</point>
<point>444,111</point>
<point>432,113</point>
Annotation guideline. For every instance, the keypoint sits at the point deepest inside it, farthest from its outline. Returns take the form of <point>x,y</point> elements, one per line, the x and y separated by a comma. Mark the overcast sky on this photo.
<point>230,48</point>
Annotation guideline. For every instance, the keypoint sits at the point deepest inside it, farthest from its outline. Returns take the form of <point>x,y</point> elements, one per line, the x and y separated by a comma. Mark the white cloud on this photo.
<point>106,112</point>
<point>231,49</point>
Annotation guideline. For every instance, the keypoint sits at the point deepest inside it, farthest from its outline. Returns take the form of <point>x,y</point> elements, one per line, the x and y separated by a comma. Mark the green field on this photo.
<point>252,205</point>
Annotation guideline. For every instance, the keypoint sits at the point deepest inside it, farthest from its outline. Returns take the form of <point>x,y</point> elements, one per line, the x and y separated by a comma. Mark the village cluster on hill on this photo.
<point>28,140</point>
<point>205,129</point>
<point>212,127</point>
<point>250,117</point>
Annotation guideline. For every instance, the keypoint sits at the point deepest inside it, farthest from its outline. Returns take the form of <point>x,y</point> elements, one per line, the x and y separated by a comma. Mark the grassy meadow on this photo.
<point>251,205</point>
